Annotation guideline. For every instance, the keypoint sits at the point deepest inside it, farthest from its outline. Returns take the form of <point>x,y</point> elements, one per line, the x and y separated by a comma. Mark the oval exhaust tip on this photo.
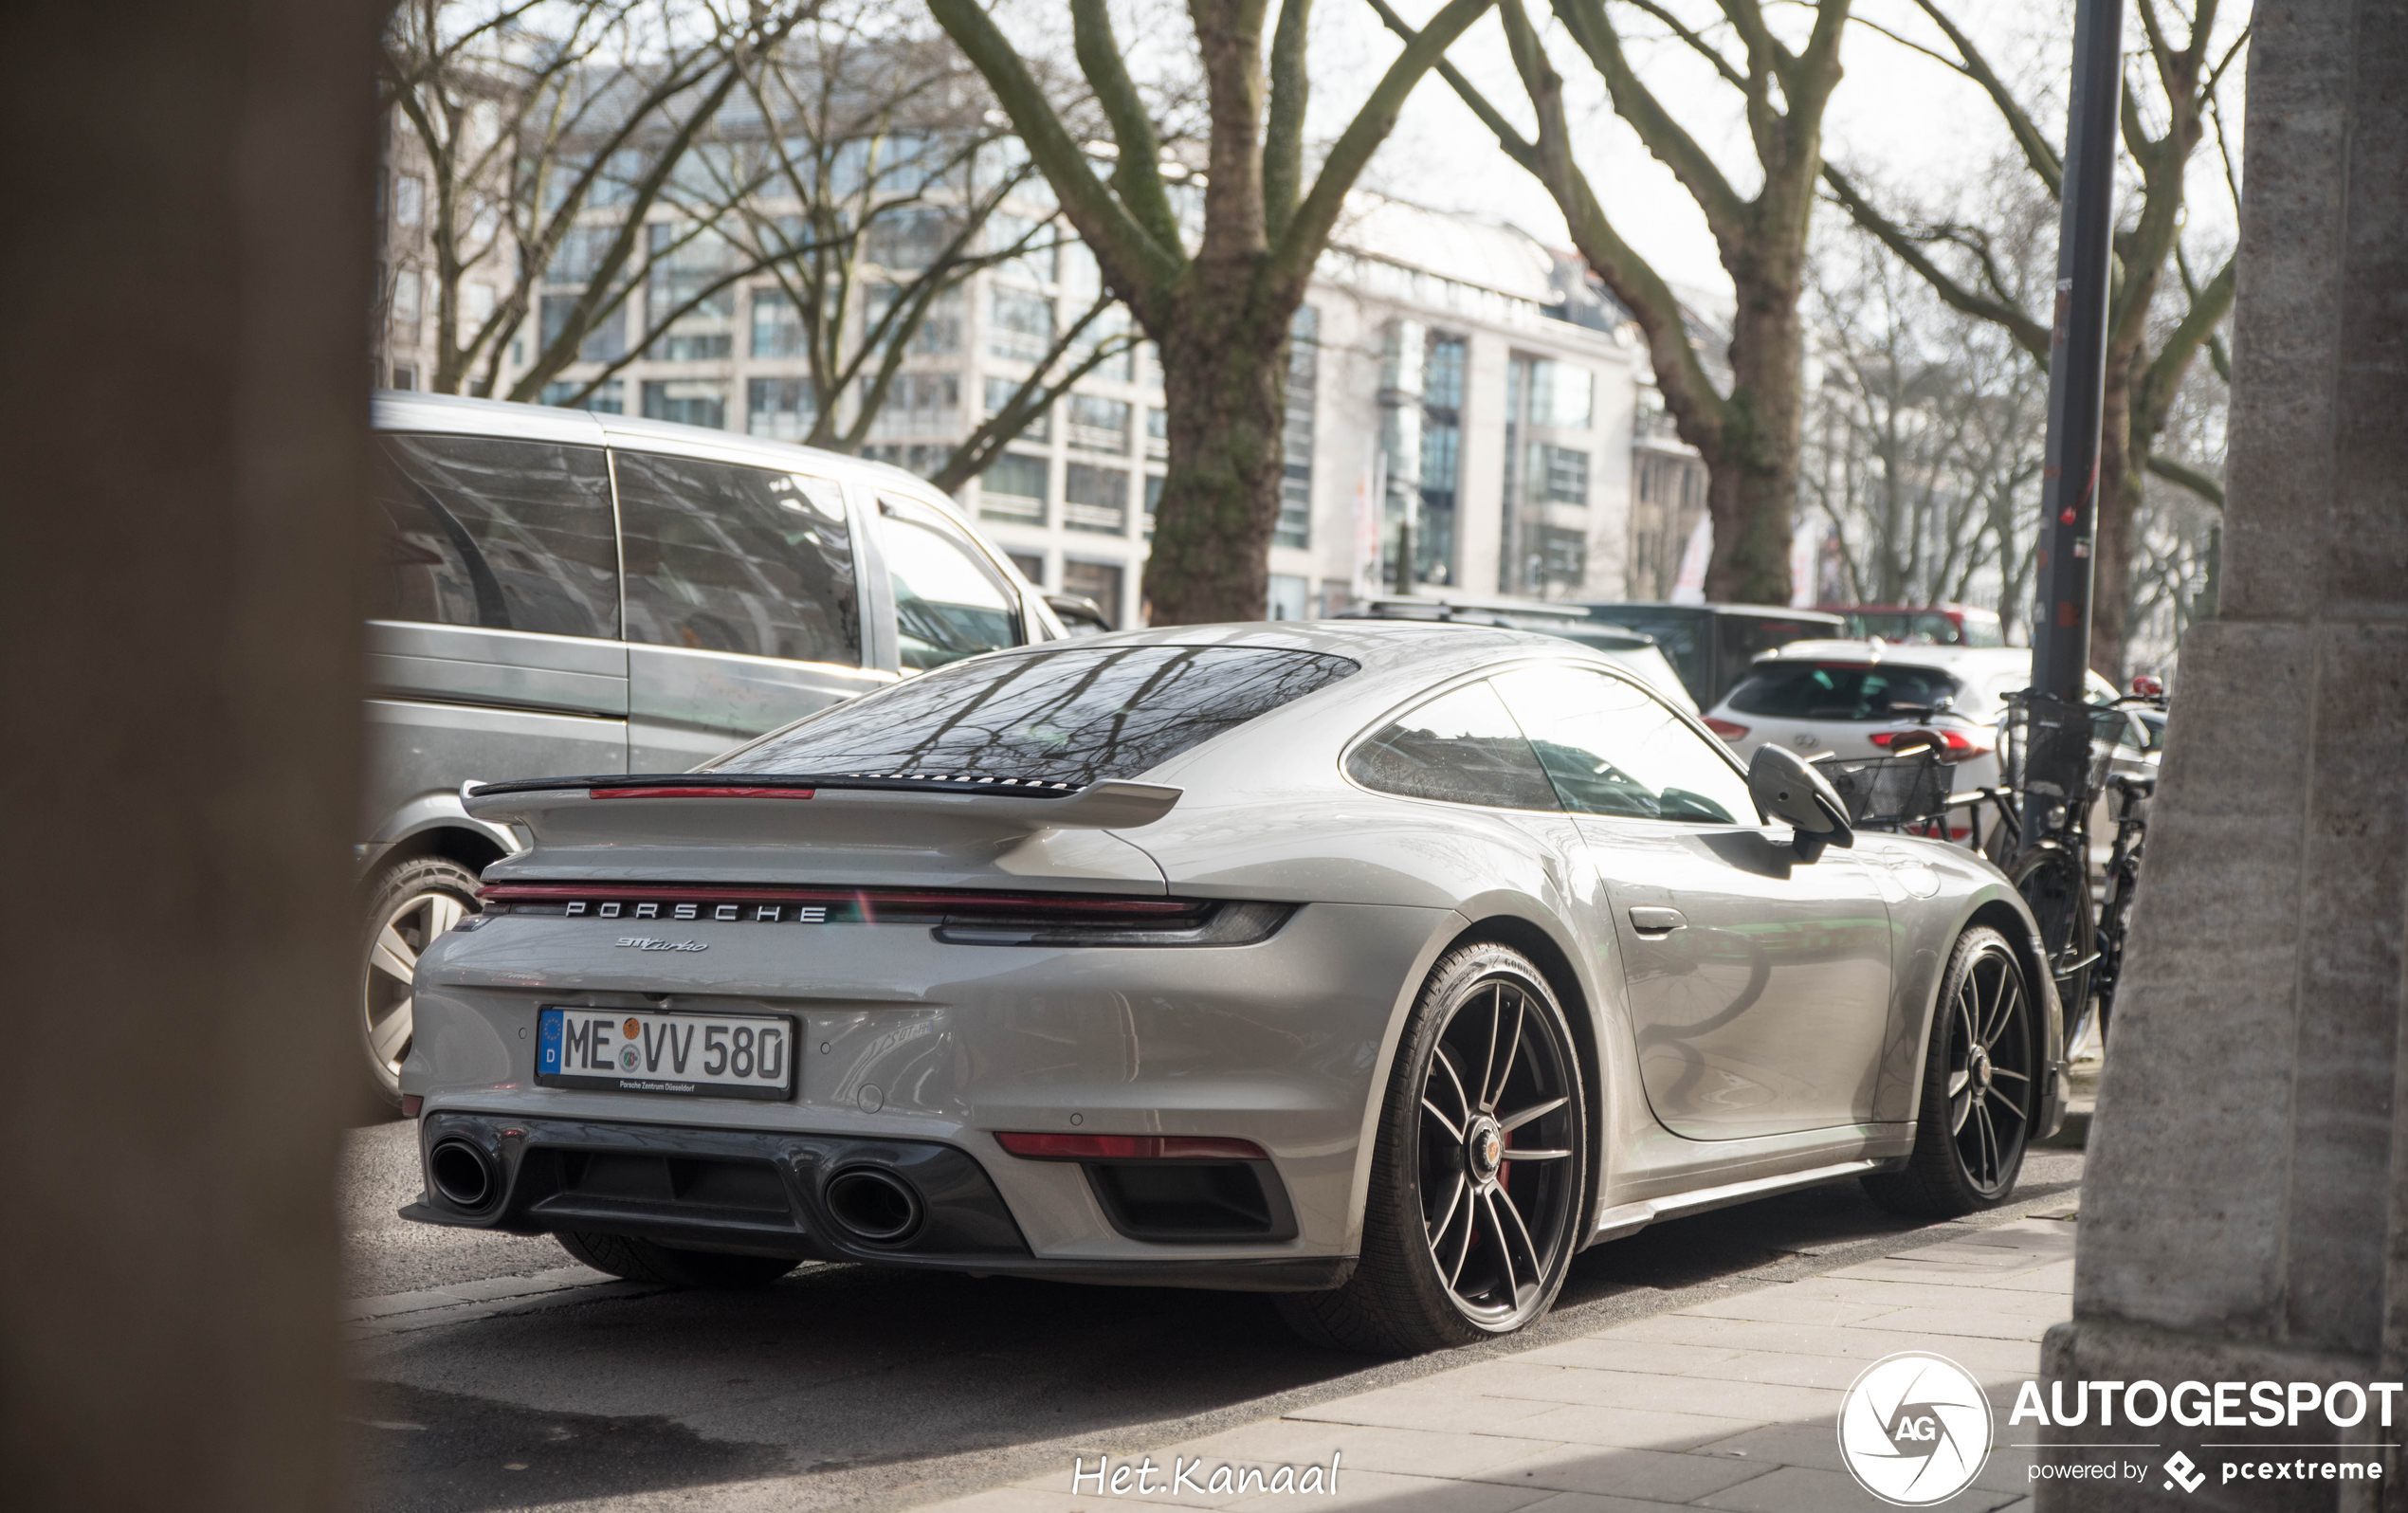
<point>874,1204</point>
<point>462,1173</point>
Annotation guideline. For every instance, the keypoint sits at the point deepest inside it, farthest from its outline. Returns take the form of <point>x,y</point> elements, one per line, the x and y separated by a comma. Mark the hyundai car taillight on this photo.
<point>1951,745</point>
<point>1725,729</point>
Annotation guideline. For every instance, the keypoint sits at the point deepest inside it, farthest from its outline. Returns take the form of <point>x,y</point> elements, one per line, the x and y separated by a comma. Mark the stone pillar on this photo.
<point>183,403</point>
<point>2246,1212</point>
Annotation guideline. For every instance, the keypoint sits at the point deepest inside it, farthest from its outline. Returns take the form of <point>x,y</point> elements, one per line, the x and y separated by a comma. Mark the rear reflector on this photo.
<point>411,1103</point>
<point>1130,1148</point>
<point>702,792</point>
<point>1725,728</point>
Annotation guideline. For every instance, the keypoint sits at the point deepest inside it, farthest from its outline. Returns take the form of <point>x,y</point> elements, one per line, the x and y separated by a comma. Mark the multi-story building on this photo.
<point>1458,392</point>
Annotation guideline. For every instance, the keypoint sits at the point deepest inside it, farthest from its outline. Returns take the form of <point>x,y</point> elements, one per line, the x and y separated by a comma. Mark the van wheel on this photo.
<point>648,1261</point>
<point>411,903</point>
<point>1474,1206</point>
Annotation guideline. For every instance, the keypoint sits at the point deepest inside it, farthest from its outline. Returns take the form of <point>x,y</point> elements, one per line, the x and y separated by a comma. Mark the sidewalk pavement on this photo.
<point>1730,1404</point>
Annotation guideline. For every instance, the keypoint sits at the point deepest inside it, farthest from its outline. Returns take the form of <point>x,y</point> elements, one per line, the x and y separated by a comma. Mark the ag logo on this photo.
<point>1914,1428</point>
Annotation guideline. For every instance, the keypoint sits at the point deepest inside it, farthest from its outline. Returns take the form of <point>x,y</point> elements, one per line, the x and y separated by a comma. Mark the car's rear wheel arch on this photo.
<point>1534,943</point>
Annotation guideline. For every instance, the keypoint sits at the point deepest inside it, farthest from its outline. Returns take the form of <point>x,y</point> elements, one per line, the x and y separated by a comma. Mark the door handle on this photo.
<point>1657,922</point>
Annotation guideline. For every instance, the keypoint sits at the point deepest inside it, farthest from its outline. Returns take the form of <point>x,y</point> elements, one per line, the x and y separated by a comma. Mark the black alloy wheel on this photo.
<point>1474,1208</point>
<point>1981,1087</point>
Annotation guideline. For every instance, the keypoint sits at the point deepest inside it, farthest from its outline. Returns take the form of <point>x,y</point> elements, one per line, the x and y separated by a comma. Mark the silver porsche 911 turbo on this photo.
<point>1381,966</point>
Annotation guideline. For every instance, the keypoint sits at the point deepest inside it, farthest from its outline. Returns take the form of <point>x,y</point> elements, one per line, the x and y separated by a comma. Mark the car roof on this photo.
<point>1769,612</point>
<point>1431,649</point>
<point>1974,659</point>
<point>451,415</point>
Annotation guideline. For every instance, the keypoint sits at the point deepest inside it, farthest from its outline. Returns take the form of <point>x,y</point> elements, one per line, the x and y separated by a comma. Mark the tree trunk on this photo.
<point>2118,504</point>
<point>1225,386</point>
<point>1751,466</point>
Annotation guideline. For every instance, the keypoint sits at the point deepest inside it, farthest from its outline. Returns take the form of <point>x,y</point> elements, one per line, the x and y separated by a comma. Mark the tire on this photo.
<point>408,905</point>
<point>1462,1241</point>
<point>648,1261</point>
<point>2057,886</point>
<point>1981,1087</point>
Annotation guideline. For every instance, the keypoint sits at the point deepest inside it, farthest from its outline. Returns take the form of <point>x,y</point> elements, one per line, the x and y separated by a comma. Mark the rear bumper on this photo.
<point>766,1194</point>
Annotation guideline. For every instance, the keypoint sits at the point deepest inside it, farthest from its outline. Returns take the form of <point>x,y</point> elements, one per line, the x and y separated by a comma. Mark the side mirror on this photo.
<point>1786,788</point>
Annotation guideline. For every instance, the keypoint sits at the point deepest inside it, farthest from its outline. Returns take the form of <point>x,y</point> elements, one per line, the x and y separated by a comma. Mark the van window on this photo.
<point>745,559</point>
<point>504,535</point>
<point>950,602</point>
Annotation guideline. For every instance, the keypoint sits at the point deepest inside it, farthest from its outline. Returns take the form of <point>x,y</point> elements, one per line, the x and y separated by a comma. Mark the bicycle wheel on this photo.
<point>2056,886</point>
<point>2115,919</point>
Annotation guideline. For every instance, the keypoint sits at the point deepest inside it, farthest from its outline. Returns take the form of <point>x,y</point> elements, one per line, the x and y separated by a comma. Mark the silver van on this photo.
<point>557,592</point>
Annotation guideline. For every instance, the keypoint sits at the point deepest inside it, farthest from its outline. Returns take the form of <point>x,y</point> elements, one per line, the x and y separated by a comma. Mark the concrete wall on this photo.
<point>183,387</point>
<point>2246,1212</point>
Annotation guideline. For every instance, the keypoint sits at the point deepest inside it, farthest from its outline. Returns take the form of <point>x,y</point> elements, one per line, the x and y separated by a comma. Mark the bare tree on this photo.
<point>2155,327</point>
<point>1747,432</point>
<point>1218,307</point>
<point>1924,438</point>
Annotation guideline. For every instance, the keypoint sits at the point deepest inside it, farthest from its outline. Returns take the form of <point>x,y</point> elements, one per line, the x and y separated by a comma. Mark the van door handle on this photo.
<point>1657,922</point>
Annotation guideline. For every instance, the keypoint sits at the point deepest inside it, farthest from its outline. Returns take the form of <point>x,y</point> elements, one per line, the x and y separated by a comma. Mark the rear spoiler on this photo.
<point>1009,804</point>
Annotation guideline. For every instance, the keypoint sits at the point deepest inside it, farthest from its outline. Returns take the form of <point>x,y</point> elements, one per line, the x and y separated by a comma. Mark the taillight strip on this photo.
<point>966,900</point>
<point>702,792</point>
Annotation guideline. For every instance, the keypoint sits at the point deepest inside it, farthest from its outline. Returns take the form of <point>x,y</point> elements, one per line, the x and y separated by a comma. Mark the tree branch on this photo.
<point>1516,146</point>
<point>2029,334</point>
<point>1137,176</point>
<point>2207,488</point>
<point>1283,138</point>
<point>2037,151</point>
<point>1726,211</point>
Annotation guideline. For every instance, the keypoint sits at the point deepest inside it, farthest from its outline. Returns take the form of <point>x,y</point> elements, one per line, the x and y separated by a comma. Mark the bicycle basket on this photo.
<point>2035,721</point>
<point>1889,792</point>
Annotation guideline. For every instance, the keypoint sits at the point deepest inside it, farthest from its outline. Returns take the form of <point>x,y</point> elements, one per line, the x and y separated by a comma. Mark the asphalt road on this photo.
<point>847,1387</point>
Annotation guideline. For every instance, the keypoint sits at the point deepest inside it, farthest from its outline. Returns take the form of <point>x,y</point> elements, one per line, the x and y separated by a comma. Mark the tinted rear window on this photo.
<point>1074,715</point>
<point>1825,690</point>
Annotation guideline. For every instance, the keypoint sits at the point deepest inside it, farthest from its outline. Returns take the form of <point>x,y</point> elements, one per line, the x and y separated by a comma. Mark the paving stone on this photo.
<point>1392,1493</point>
<point>1658,1476</point>
<point>1631,1428</point>
<point>1971,1321</point>
<point>1401,1407</point>
<point>1589,1503</point>
<point>1628,1355</point>
<point>1781,1305</point>
<point>1405,1451</point>
<point>1803,1489</point>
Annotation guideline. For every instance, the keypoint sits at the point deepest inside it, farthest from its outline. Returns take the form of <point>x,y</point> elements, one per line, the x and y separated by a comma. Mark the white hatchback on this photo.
<point>1859,698</point>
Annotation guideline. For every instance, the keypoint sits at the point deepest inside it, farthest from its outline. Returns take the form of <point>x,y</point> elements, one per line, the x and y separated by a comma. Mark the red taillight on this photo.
<point>1130,1148</point>
<point>1725,729</point>
<point>411,1103</point>
<point>1951,745</point>
<point>702,792</point>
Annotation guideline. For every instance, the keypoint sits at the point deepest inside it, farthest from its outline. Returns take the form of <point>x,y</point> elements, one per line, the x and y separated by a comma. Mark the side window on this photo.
<point>505,535</point>
<point>950,602</point>
<point>1460,746</point>
<point>1611,749</point>
<point>727,558</point>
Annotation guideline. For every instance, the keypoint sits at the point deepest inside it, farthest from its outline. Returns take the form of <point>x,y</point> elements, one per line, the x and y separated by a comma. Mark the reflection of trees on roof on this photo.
<point>1072,716</point>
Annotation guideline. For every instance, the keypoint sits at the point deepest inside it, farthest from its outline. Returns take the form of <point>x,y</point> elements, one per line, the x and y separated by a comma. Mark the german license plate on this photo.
<point>699,1055</point>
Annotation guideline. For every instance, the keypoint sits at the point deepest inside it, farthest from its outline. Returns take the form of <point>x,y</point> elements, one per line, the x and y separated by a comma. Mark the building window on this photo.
<point>1153,500</point>
<point>1013,489</point>
<point>1158,433</point>
<point>1288,596</point>
<point>606,399</point>
<point>1032,567</point>
<point>410,202</point>
<point>1560,393</point>
<point>405,376</point>
<point>1095,499</point>
<point>1099,581</point>
<point>605,342</point>
<point>938,334</point>
<point>1564,476</point>
<point>1100,425</point>
<point>686,263</point>
<point>920,404</point>
<point>779,408</point>
<point>1001,392</point>
<point>1441,457</point>
<point>687,401</point>
<point>1564,560</point>
<point>406,302</point>
<point>923,460</point>
<point>1019,324</point>
<point>1295,527</point>
<point>905,241</point>
<point>778,326</point>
